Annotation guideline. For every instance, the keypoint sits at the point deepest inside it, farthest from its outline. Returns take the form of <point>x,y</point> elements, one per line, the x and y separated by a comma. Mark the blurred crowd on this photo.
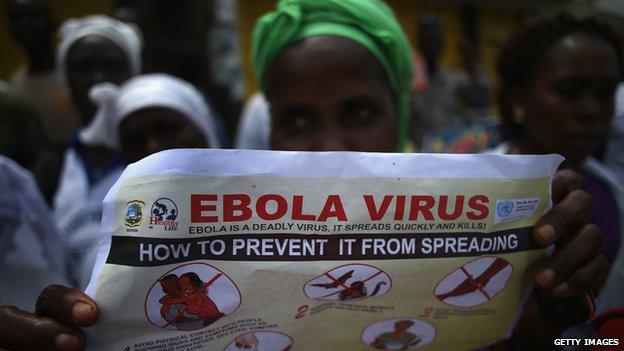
<point>83,106</point>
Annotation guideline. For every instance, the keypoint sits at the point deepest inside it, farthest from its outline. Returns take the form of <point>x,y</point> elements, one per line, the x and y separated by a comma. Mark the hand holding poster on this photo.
<point>233,250</point>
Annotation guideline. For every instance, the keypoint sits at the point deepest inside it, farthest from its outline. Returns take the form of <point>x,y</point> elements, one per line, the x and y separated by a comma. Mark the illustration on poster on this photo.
<point>261,341</point>
<point>474,283</point>
<point>399,334</point>
<point>349,282</point>
<point>191,297</point>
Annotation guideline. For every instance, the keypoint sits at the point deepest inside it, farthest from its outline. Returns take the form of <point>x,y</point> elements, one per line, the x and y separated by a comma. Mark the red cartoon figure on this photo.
<point>349,282</point>
<point>475,282</point>
<point>191,297</point>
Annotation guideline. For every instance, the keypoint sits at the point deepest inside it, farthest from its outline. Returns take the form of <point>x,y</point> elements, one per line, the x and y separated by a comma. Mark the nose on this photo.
<point>333,140</point>
<point>98,76</point>
<point>152,145</point>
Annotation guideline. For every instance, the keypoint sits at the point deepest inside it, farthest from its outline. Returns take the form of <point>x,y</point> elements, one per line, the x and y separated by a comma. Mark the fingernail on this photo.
<point>561,289</point>
<point>545,277</point>
<point>82,312</point>
<point>546,232</point>
<point>66,342</point>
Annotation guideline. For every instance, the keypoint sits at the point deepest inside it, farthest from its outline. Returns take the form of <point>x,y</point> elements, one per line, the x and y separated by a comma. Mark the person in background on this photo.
<point>93,50</point>
<point>151,113</point>
<point>22,138</point>
<point>434,103</point>
<point>144,115</point>
<point>448,105</point>
<point>335,86</point>
<point>558,80</point>
<point>33,254</point>
<point>474,90</point>
<point>38,83</point>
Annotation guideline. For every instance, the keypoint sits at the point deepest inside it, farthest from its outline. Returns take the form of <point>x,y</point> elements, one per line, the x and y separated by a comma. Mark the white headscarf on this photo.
<point>126,36</point>
<point>145,91</point>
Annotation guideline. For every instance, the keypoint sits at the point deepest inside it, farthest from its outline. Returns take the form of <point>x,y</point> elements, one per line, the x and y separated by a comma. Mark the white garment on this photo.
<point>78,212</point>
<point>611,295</point>
<point>32,253</point>
<point>126,36</point>
<point>151,90</point>
<point>614,155</point>
<point>254,128</point>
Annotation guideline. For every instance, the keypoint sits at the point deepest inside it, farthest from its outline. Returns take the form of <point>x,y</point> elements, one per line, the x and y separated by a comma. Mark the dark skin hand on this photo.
<point>55,325</point>
<point>574,269</point>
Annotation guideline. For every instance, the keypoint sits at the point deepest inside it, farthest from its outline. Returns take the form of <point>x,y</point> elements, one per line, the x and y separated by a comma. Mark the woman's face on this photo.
<point>187,287</point>
<point>330,94</point>
<point>150,130</point>
<point>91,60</point>
<point>569,105</point>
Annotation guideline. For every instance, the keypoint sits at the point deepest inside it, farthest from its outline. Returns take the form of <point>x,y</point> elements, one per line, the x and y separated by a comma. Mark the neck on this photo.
<point>40,59</point>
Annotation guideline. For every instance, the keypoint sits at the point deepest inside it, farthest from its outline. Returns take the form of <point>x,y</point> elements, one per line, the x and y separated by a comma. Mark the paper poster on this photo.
<point>261,250</point>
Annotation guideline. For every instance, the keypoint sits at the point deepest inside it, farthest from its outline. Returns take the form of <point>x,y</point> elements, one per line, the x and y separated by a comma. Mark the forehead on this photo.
<point>317,65</point>
<point>93,46</point>
<point>156,114</point>
<point>580,55</point>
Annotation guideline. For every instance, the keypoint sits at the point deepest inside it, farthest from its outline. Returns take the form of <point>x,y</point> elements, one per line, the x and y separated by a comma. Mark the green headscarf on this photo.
<point>370,23</point>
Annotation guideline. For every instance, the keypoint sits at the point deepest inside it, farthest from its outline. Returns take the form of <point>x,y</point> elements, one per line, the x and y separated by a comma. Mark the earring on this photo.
<point>518,114</point>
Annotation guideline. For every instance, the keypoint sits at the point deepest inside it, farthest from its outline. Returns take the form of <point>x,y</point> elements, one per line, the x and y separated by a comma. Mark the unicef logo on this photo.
<point>164,209</point>
<point>504,208</point>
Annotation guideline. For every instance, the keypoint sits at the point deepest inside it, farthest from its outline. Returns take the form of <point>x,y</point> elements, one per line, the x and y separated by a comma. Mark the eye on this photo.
<point>359,114</point>
<point>114,66</point>
<point>295,122</point>
<point>166,127</point>
<point>569,89</point>
<point>83,66</point>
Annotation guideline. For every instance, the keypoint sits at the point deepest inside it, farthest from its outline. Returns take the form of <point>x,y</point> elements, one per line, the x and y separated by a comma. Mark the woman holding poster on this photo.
<point>337,74</point>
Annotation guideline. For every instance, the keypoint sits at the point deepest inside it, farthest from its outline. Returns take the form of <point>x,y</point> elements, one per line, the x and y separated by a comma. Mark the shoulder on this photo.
<point>604,173</point>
